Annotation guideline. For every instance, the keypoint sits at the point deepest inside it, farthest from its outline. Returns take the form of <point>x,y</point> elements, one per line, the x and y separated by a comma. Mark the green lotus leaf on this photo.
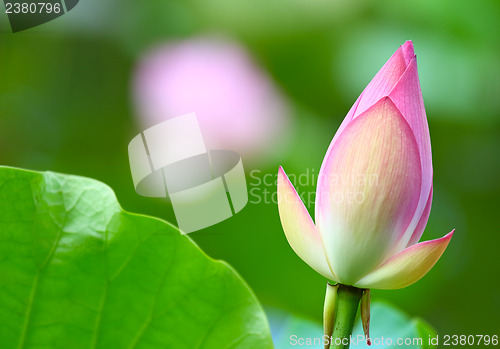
<point>77,271</point>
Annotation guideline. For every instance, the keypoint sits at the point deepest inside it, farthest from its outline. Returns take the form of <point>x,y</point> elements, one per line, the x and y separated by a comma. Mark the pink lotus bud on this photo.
<point>374,189</point>
<point>236,103</point>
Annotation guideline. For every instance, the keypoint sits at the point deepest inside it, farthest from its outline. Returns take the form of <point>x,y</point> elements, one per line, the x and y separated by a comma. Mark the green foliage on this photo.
<point>79,272</point>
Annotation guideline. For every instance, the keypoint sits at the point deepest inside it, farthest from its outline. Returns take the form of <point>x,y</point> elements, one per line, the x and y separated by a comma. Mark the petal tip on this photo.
<point>449,235</point>
<point>388,103</point>
<point>441,241</point>
<point>408,43</point>
<point>446,237</point>
<point>408,51</point>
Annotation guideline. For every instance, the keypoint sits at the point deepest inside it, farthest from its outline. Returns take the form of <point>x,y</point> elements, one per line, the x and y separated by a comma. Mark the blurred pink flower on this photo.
<point>374,190</point>
<point>237,106</point>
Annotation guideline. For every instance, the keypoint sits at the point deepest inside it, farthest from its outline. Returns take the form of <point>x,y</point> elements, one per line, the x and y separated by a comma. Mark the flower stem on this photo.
<point>347,307</point>
<point>329,311</point>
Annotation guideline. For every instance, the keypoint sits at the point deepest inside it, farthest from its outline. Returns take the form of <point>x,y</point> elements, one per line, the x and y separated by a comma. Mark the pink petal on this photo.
<point>299,228</point>
<point>406,267</point>
<point>385,80</point>
<point>408,51</point>
<point>417,234</point>
<point>368,191</point>
<point>380,86</point>
<point>398,79</point>
<point>407,96</point>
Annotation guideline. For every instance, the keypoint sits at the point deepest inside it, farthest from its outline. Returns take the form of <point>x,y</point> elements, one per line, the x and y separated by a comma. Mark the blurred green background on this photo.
<point>66,106</point>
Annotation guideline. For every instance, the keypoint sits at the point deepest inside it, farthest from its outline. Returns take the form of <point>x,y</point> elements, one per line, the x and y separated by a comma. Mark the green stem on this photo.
<point>329,311</point>
<point>347,307</point>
